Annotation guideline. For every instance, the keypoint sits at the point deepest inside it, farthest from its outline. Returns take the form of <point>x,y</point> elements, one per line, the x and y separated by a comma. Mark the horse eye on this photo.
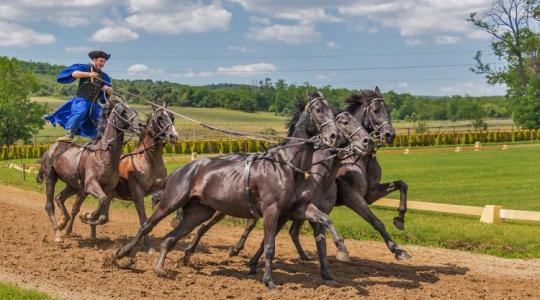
<point>160,118</point>
<point>318,110</point>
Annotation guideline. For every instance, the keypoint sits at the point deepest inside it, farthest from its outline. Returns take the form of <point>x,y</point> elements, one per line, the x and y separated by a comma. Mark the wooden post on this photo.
<point>193,155</point>
<point>458,149</point>
<point>491,214</point>
<point>407,151</point>
<point>477,146</point>
<point>505,147</point>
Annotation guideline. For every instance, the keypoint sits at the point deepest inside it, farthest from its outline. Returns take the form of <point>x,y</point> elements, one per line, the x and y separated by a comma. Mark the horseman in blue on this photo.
<point>80,114</point>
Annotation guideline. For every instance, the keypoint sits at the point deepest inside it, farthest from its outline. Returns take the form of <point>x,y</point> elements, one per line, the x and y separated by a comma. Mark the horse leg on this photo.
<point>320,241</point>
<point>74,211</point>
<point>94,188</point>
<point>137,195</point>
<point>242,241</point>
<point>200,232</point>
<point>313,214</point>
<point>50,182</point>
<point>158,214</point>
<point>257,256</point>
<point>194,215</point>
<point>356,202</point>
<point>60,200</point>
<point>377,191</point>
<point>271,220</point>
<point>294,232</point>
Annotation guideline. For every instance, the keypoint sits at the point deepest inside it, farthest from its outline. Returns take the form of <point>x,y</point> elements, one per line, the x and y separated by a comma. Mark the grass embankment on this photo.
<point>508,178</point>
<point>13,292</point>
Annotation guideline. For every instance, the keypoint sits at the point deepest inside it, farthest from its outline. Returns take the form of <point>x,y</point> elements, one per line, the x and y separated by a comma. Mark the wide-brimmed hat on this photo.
<point>99,53</point>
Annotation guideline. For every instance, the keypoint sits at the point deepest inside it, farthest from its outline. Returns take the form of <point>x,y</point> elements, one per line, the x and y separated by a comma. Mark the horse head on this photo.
<point>161,124</point>
<point>368,107</point>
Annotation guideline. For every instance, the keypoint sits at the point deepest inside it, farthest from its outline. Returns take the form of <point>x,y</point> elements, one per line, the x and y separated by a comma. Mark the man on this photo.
<point>80,114</point>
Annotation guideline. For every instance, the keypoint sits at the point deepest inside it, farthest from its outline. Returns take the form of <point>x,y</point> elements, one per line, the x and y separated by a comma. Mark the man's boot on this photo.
<point>68,138</point>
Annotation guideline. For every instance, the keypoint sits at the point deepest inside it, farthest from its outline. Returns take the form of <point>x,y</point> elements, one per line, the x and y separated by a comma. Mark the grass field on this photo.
<point>13,292</point>
<point>240,121</point>
<point>508,178</point>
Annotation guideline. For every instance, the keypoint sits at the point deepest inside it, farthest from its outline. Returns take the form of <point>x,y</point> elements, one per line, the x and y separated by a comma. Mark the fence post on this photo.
<point>491,214</point>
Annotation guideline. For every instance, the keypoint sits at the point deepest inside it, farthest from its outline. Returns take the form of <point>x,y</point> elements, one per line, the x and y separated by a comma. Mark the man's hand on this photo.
<point>93,74</point>
<point>107,89</point>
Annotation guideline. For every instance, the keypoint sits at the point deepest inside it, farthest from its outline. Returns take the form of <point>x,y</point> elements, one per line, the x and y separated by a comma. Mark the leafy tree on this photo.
<point>20,118</point>
<point>511,25</point>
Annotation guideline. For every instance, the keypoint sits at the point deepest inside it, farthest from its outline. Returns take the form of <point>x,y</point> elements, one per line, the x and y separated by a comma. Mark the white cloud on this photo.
<point>332,44</point>
<point>446,39</point>
<point>290,34</point>
<point>192,74</point>
<point>13,35</point>
<point>240,49</point>
<point>403,84</point>
<point>140,70</point>
<point>414,42</point>
<point>65,13</point>
<point>78,49</point>
<point>260,20</point>
<point>247,70</point>
<point>177,18</point>
<point>72,21</point>
<point>112,33</point>
<point>415,18</point>
<point>473,89</point>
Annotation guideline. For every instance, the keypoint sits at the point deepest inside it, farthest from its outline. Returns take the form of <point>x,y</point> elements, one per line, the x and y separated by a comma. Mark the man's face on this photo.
<point>99,62</point>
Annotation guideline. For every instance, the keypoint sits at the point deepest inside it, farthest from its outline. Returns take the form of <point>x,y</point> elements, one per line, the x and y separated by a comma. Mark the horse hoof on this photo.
<point>305,257</point>
<point>151,251</point>
<point>252,271</point>
<point>399,223</point>
<point>343,256</point>
<point>233,252</point>
<point>271,286</point>
<point>402,255</point>
<point>62,225</point>
<point>160,272</point>
<point>58,238</point>
<point>330,282</point>
<point>185,260</point>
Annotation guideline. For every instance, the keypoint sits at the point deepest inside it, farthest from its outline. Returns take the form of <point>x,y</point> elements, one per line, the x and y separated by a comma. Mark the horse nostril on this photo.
<point>333,136</point>
<point>365,141</point>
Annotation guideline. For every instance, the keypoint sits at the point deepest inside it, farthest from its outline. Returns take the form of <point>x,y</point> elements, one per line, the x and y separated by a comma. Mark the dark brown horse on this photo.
<point>274,185</point>
<point>324,170</point>
<point>88,169</point>
<point>359,180</point>
<point>143,171</point>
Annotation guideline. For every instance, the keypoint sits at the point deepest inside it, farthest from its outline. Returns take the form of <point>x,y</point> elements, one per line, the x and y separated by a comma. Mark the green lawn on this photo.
<point>508,178</point>
<point>13,292</point>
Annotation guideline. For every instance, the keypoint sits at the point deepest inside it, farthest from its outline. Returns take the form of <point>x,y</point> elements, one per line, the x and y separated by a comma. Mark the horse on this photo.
<point>275,185</point>
<point>358,183</point>
<point>88,169</point>
<point>324,171</point>
<point>143,171</point>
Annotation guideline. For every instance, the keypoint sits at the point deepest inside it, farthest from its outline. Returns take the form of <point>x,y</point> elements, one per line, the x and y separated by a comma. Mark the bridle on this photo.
<point>370,122</point>
<point>309,110</point>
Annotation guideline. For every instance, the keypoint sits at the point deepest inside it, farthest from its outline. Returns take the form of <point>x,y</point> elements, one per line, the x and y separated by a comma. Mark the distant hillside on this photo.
<point>279,97</point>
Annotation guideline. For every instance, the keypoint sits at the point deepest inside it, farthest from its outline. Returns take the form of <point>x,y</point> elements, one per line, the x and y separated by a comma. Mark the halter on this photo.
<point>308,109</point>
<point>369,120</point>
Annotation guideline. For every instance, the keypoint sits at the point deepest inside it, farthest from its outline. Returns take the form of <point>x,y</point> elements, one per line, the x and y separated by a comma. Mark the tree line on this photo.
<point>279,97</point>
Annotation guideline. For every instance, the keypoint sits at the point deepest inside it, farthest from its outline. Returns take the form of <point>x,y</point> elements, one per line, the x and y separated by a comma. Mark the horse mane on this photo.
<point>102,123</point>
<point>295,116</point>
<point>354,101</point>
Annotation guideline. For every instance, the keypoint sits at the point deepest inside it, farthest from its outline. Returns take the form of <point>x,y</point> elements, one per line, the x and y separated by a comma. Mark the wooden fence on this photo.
<point>488,214</point>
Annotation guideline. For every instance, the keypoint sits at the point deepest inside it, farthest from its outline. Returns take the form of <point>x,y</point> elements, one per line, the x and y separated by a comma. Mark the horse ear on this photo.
<point>377,90</point>
<point>154,106</point>
<point>362,94</point>
<point>320,94</point>
<point>164,104</point>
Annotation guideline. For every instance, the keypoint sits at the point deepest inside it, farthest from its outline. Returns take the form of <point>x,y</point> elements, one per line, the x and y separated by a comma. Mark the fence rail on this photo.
<point>488,214</point>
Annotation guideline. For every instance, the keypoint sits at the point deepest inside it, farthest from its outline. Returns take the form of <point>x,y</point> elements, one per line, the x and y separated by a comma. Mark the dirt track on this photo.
<point>76,268</point>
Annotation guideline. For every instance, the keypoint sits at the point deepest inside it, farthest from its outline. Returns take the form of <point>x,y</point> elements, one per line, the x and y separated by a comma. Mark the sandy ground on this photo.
<point>78,268</point>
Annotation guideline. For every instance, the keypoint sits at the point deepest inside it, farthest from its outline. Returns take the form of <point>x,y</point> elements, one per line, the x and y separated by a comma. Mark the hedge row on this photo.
<point>231,146</point>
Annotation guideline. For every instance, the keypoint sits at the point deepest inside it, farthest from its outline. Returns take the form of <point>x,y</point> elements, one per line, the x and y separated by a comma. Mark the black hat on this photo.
<point>98,53</point>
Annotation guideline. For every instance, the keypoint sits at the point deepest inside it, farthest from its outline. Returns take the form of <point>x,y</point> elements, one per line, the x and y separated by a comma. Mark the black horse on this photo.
<point>275,186</point>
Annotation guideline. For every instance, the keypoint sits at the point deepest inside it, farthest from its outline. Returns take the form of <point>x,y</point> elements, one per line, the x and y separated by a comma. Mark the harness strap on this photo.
<point>252,204</point>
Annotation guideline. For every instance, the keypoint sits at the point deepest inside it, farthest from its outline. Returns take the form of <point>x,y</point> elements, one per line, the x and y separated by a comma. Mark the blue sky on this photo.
<point>420,47</point>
